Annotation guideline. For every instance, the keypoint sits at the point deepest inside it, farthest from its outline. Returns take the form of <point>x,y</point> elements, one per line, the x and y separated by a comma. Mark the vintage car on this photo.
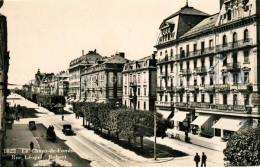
<point>50,134</point>
<point>67,130</point>
<point>32,125</point>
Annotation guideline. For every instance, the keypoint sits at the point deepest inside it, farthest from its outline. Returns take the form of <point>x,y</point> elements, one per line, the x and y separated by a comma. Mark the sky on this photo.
<point>48,34</point>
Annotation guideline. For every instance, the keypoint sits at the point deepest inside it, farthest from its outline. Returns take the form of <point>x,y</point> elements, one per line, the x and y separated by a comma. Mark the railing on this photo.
<point>200,70</point>
<point>199,105</point>
<point>160,89</point>
<point>181,104</point>
<point>221,106</point>
<point>165,59</point>
<point>233,66</point>
<point>222,88</point>
<point>170,89</point>
<point>192,88</point>
<point>166,104</point>
<point>196,53</point>
<point>234,45</point>
<point>209,88</point>
<point>179,89</point>
<point>185,72</point>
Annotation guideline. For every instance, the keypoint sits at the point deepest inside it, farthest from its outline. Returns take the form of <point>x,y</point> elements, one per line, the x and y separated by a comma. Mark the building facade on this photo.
<point>209,75</point>
<point>102,82</point>
<point>75,69</point>
<point>139,78</point>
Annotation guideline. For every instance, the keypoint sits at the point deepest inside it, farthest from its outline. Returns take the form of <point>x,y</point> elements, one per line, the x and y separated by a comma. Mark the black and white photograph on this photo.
<point>129,83</point>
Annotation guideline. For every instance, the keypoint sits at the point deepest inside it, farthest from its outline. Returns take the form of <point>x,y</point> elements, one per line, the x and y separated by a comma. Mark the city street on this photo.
<point>91,148</point>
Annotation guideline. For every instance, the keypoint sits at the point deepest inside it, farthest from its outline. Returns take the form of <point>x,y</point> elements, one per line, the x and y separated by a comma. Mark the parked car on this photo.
<point>67,130</point>
<point>32,125</point>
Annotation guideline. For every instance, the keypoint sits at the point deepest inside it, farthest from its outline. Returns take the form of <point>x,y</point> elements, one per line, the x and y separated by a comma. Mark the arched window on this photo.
<point>234,100</point>
<point>171,53</point>
<point>224,40</point>
<point>234,39</point>
<point>246,36</point>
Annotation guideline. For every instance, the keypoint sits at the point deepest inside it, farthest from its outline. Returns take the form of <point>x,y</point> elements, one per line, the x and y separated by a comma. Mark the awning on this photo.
<point>200,120</point>
<point>165,114</point>
<point>180,116</point>
<point>229,124</point>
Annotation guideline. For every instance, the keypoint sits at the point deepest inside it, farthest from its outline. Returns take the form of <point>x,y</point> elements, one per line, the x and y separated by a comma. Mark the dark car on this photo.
<point>32,125</point>
<point>67,130</point>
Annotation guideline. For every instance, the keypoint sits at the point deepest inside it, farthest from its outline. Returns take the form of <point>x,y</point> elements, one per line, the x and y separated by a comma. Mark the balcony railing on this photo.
<point>234,45</point>
<point>179,89</point>
<point>160,89</point>
<point>192,88</point>
<point>170,89</point>
<point>200,70</point>
<point>164,104</point>
<point>196,53</point>
<point>199,105</point>
<point>244,87</point>
<point>222,88</point>
<point>185,72</point>
<point>233,67</point>
<point>181,104</point>
<point>209,88</point>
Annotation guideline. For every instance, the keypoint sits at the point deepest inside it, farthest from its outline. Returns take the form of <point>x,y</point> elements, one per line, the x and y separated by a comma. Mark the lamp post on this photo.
<point>154,133</point>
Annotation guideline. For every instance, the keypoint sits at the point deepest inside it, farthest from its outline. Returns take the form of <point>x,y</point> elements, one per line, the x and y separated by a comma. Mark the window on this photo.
<point>195,82</point>
<point>125,102</point>
<point>144,76</point>
<point>195,64</point>
<point>229,14</point>
<point>246,56</point>
<point>144,105</point>
<point>211,61</point>
<point>166,98</point>
<point>188,98</point>
<point>246,77</point>
<point>160,97</point>
<point>138,78</point>
<point>195,97</point>
<point>202,63</point>
<point>138,91</point>
<point>180,66</point>
<point>211,44</point>
<point>161,69</point>
<point>181,97</point>
<point>211,99</point>
<point>234,100</point>
<point>211,82</point>
<point>125,90</point>
<point>125,78</point>
<point>187,49</point>
<point>172,67</point>
<point>188,80</point>
<point>144,91</point>
<point>224,40</point>
<point>188,65</point>
<point>224,99</point>
<point>181,82</point>
<point>246,102</point>
<point>171,53</point>
<point>246,36</point>
<point>202,46</point>
<point>202,81</point>
<point>195,47</point>
<point>171,82</point>
<point>235,79</point>
<point>202,98</point>
<point>160,82</point>
<point>224,60</point>
<point>224,78</point>
<point>234,37</point>
<point>138,104</point>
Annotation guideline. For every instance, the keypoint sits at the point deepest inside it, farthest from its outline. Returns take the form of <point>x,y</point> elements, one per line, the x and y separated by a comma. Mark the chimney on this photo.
<point>122,54</point>
<point>82,52</point>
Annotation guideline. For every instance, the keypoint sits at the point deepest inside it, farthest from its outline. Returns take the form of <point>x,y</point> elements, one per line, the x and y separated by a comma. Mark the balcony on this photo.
<point>222,88</point>
<point>199,105</point>
<point>185,72</point>
<point>165,59</point>
<point>192,88</point>
<point>160,89</point>
<point>201,70</point>
<point>221,106</point>
<point>196,53</point>
<point>209,88</point>
<point>244,88</point>
<point>164,104</point>
<point>179,89</point>
<point>170,89</point>
<point>234,45</point>
<point>181,104</point>
<point>233,67</point>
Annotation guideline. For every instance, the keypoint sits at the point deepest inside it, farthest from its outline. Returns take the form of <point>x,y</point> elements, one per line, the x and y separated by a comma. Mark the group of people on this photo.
<point>203,159</point>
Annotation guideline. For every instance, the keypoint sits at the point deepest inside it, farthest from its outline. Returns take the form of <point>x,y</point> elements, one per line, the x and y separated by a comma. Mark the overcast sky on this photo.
<point>48,34</point>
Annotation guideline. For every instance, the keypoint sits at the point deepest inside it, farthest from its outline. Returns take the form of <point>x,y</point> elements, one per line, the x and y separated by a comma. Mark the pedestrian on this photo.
<point>203,159</point>
<point>62,117</point>
<point>43,154</point>
<point>197,159</point>
<point>31,146</point>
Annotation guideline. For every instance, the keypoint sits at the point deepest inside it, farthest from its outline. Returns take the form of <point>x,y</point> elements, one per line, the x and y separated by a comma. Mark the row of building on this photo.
<point>205,72</point>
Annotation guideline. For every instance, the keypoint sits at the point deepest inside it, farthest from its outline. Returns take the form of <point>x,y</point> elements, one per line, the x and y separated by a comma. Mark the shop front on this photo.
<point>203,125</point>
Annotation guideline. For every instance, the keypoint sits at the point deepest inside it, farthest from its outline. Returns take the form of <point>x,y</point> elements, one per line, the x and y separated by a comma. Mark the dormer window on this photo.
<point>229,15</point>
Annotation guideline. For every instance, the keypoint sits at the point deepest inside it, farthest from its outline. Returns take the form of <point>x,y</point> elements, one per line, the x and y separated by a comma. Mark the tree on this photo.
<point>243,148</point>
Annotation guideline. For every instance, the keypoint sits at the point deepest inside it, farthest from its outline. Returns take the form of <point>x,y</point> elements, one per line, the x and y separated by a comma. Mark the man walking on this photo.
<point>197,159</point>
<point>203,159</point>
